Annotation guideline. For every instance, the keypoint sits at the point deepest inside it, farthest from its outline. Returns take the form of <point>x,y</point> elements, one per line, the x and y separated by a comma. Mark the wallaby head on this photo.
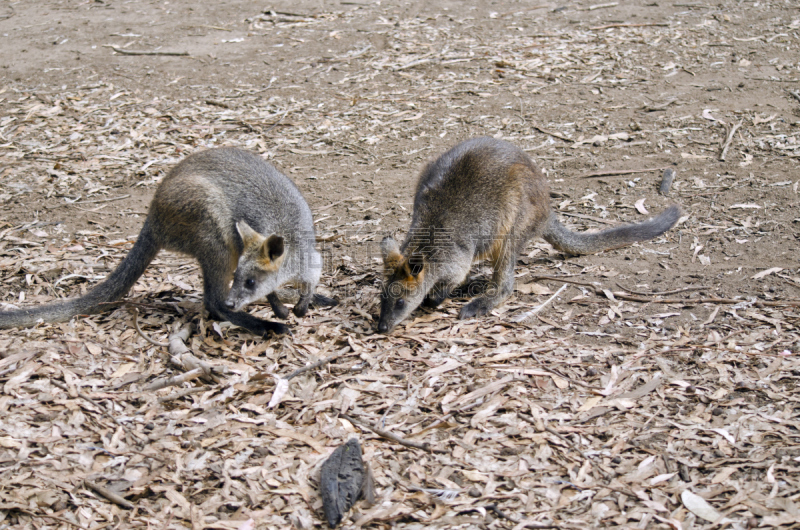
<point>403,287</point>
<point>256,274</point>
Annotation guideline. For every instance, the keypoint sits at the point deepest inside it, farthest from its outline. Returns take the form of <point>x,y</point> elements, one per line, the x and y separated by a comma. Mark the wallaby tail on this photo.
<point>114,287</point>
<point>588,243</point>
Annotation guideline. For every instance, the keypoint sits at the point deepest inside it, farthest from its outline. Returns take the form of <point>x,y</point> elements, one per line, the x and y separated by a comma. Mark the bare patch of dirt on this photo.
<point>656,391</point>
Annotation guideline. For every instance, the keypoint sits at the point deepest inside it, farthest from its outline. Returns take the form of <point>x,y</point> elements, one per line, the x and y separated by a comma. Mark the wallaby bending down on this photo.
<point>216,205</point>
<point>482,199</point>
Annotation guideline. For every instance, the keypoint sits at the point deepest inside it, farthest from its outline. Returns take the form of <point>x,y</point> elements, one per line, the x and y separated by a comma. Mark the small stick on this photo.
<point>728,141</point>
<point>532,421</point>
<point>601,6</point>
<point>525,316</point>
<point>659,24</point>
<point>164,382</point>
<point>46,516</point>
<point>317,364</point>
<point>795,95</point>
<point>81,395</point>
<point>612,172</point>
<point>554,134</point>
<point>139,52</point>
<point>389,436</point>
<point>183,393</point>
<point>596,289</point>
<point>103,492</point>
<point>110,199</point>
<point>141,333</point>
<point>662,293</point>
<point>286,113</point>
<point>588,218</point>
<point>692,301</point>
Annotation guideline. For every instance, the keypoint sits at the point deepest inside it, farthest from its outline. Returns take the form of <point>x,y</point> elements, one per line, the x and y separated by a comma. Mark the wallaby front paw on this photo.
<point>432,302</point>
<point>275,328</point>
<point>281,312</point>
<point>278,309</point>
<point>476,308</point>
<point>300,310</point>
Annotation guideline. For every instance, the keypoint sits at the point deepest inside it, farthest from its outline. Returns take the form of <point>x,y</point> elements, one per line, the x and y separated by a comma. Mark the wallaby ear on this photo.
<point>272,247</point>
<point>391,253</point>
<point>415,264</point>
<point>249,236</point>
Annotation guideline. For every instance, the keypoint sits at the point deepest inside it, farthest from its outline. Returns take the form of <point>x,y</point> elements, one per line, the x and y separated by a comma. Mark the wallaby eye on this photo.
<point>249,283</point>
<point>400,303</point>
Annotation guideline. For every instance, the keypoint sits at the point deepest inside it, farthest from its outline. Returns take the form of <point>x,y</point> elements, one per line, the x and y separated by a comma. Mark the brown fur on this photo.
<point>491,199</point>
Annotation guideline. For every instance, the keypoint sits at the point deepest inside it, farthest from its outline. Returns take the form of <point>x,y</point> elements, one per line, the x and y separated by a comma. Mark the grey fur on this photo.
<point>195,211</point>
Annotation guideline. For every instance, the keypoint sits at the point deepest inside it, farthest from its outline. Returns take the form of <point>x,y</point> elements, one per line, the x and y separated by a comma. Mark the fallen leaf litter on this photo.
<point>617,402</point>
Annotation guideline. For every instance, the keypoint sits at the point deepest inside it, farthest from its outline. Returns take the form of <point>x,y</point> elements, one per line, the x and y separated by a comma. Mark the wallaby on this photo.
<point>216,205</point>
<point>482,199</point>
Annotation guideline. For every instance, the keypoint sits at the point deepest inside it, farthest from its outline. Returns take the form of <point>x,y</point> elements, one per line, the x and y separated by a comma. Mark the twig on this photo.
<point>728,141</point>
<point>525,316</point>
<point>182,393</point>
<point>659,24</point>
<point>588,218</point>
<point>175,380</point>
<point>612,172</point>
<point>695,301</point>
<point>110,199</point>
<point>554,134</point>
<point>795,95</point>
<point>286,113</point>
<point>141,333</point>
<point>532,421</point>
<point>601,6</point>
<point>331,205</point>
<point>111,496</point>
<point>46,516</point>
<point>389,436</point>
<point>447,416</point>
<point>141,52</point>
<point>317,364</point>
<point>662,293</point>
<point>83,396</point>
<point>596,289</point>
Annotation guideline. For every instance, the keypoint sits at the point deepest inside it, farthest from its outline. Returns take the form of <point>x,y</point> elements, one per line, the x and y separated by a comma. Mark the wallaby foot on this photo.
<point>476,308</point>
<point>280,310</point>
<point>319,300</point>
<point>274,328</point>
<point>438,294</point>
<point>500,287</point>
<point>301,307</point>
<point>432,302</point>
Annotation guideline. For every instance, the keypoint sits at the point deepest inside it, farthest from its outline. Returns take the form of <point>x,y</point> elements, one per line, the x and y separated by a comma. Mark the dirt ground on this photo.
<point>657,391</point>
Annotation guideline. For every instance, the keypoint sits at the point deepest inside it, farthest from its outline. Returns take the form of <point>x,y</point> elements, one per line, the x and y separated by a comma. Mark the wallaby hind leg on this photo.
<point>215,290</point>
<point>280,310</point>
<point>502,282</point>
<point>306,294</point>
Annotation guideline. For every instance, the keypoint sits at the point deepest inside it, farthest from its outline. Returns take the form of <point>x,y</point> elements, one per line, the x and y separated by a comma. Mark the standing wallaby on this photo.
<point>482,199</point>
<point>215,205</point>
